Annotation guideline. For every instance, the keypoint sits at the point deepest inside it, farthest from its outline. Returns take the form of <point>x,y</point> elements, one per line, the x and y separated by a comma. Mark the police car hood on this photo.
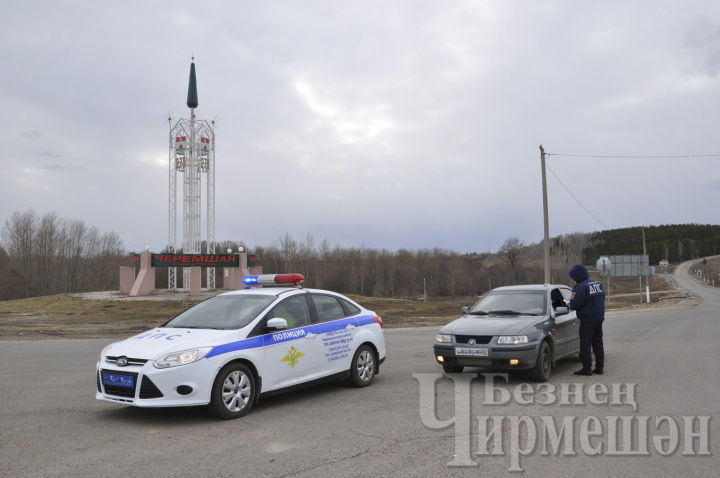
<point>490,325</point>
<point>156,342</point>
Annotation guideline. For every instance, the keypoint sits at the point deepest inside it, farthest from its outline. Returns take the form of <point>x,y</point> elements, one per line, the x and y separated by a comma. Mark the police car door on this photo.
<point>336,332</point>
<point>291,355</point>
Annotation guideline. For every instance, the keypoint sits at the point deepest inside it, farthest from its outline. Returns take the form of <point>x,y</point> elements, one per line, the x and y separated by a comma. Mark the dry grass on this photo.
<point>67,316</point>
<point>413,312</point>
<point>109,315</point>
<point>710,271</point>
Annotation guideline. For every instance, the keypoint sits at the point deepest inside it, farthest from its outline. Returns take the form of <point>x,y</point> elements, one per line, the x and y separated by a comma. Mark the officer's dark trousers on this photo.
<point>591,335</point>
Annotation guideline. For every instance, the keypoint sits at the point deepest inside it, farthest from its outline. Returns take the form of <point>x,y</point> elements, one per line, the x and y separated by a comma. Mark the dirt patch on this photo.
<point>706,271</point>
<point>111,314</point>
<point>66,315</point>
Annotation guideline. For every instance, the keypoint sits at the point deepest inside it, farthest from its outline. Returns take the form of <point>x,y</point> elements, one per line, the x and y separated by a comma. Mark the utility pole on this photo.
<point>546,240</point>
<point>608,288</point>
<point>647,275</point>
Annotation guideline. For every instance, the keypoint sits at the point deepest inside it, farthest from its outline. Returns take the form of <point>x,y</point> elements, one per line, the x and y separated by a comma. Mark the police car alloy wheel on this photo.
<point>233,393</point>
<point>363,368</point>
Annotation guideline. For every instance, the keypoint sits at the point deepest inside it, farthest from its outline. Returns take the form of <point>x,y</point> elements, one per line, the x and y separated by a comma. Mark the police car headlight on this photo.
<point>443,338</point>
<point>181,358</point>
<point>104,351</point>
<point>512,339</point>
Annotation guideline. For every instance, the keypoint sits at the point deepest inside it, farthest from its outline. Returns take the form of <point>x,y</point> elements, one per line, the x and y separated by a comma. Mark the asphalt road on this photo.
<point>51,424</point>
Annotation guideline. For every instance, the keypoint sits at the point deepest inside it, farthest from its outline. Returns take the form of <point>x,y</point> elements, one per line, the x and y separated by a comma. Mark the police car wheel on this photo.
<point>363,367</point>
<point>543,364</point>
<point>233,392</point>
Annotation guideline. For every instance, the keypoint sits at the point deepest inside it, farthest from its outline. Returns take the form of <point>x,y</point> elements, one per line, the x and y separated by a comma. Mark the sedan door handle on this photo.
<point>310,336</point>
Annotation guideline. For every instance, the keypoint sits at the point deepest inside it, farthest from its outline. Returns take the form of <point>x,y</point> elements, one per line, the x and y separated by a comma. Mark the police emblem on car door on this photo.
<point>290,354</point>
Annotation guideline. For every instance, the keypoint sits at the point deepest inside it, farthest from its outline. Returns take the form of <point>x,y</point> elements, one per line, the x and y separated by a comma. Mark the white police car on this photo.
<point>230,349</point>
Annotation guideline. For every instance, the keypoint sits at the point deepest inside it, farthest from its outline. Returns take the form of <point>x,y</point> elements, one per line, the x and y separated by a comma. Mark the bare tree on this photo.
<point>48,255</point>
<point>510,253</point>
<point>18,235</point>
<point>288,247</point>
<point>306,251</point>
<point>45,250</point>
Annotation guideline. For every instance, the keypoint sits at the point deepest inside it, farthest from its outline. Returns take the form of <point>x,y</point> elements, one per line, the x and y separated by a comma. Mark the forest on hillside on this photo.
<point>675,243</point>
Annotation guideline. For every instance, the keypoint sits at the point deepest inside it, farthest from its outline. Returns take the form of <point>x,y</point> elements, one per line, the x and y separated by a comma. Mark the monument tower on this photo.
<point>192,154</point>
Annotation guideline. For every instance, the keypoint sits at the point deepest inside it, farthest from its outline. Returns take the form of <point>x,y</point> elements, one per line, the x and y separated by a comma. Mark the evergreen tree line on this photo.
<point>43,255</point>
<point>675,243</point>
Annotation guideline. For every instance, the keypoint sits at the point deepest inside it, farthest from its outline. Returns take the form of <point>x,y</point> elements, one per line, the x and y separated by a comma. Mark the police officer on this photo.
<point>588,299</point>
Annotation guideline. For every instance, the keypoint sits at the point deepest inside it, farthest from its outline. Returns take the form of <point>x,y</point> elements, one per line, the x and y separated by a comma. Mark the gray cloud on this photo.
<point>713,184</point>
<point>389,124</point>
<point>50,154</point>
<point>62,167</point>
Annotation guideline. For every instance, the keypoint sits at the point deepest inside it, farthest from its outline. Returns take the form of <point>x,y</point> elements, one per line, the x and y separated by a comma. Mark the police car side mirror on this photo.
<point>277,323</point>
<point>465,309</point>
<point>562,311</point>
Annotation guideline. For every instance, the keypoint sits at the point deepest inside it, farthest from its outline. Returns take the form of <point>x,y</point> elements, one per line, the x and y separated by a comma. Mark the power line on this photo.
<point>575,198</point>
<point>640,156</point>
<point>617,156</point>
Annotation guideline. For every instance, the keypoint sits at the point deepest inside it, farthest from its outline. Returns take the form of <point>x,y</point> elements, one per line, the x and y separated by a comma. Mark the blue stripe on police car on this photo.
<point>288,335</point>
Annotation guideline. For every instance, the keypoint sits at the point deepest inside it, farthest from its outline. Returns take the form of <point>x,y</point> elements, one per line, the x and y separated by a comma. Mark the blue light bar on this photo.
<point>250,280</point>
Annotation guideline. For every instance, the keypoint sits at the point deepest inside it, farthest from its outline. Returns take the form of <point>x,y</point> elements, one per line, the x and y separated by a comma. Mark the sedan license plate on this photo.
<point>118,380</point>
<point>472,351</point>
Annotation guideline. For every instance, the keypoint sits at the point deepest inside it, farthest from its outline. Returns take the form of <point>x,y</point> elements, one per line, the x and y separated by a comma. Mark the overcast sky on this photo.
<point>394,124</point>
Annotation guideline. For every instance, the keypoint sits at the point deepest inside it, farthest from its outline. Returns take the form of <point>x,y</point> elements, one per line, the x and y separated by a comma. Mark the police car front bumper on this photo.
<point>147,386</point>
<point>499,357</point>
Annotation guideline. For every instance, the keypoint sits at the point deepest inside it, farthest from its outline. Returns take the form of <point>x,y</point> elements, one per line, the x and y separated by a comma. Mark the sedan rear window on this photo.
<point>328,308</point>
<point>223,312</point>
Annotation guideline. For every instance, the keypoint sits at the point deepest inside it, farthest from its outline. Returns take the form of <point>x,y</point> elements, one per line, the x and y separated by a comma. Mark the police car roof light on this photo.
<point>273,279</point>
<point>289,278</point>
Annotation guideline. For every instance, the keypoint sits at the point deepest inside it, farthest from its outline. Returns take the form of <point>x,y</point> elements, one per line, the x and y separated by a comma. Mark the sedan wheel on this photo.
<point>543,365</point>
<point>363,367</point>
<point>233,393</point>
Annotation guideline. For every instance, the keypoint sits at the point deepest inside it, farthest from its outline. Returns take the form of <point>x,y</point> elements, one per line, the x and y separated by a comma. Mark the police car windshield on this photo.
<point>222,312</point>
<point>510,303</point>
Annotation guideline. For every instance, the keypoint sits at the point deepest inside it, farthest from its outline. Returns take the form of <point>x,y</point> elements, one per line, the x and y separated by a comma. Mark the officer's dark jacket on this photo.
<point>588,297</point>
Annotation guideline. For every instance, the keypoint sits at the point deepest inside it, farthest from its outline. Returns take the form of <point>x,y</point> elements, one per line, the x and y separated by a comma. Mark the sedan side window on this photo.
<point>349,308</point>
<point>294,310</point>
<point>328,308</point>
<point>557,299</point>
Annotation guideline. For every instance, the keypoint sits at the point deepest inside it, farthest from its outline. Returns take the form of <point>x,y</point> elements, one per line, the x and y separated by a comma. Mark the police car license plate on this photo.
<point>118,380</point>
<point>472,351</point>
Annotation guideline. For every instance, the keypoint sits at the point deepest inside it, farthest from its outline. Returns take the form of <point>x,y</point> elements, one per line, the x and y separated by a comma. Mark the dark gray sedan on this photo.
<point>512,328</point>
